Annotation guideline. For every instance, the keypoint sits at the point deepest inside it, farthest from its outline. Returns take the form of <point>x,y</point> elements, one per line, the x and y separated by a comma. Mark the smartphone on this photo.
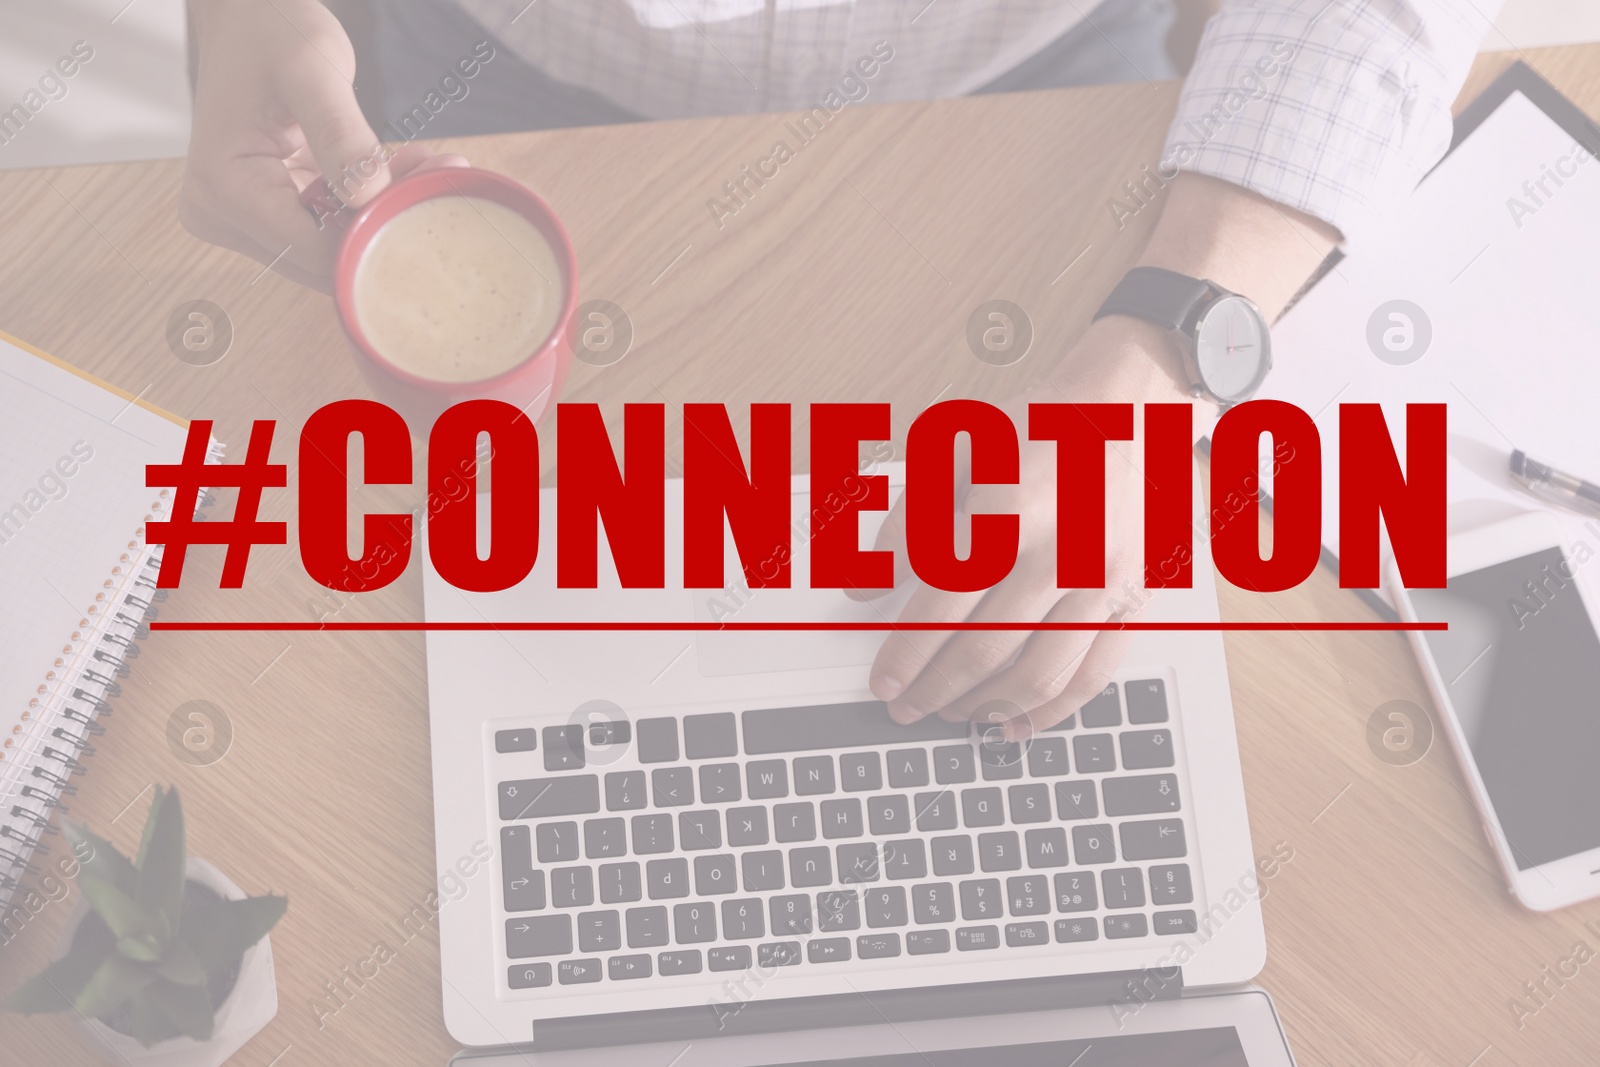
<point>1516,678</point>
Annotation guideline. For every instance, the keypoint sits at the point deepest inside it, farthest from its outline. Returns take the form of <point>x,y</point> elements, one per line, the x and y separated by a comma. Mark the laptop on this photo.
<point>716,848</point>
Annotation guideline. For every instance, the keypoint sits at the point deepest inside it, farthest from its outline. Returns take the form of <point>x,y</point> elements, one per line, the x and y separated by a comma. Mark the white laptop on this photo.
<point>718,843</point>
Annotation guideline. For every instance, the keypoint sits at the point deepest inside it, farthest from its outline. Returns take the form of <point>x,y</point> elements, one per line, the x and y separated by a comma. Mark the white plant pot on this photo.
<point>251,1005</point>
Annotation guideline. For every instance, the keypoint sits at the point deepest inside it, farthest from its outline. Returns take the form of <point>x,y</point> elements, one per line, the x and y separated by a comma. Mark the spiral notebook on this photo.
<point>77,579</point>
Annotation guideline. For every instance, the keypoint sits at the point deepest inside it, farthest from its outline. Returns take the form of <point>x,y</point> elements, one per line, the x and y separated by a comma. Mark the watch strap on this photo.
<point>1156,295</point>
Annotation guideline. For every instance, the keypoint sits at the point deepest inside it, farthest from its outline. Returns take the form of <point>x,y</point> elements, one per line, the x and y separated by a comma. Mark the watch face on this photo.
<point>1232,348</point>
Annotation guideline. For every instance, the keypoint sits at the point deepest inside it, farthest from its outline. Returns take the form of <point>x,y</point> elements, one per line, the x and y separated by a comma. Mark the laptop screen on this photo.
<point>1214,1047</point>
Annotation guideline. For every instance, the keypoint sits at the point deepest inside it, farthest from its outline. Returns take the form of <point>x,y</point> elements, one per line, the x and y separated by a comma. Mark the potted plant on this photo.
<point>165,960</point>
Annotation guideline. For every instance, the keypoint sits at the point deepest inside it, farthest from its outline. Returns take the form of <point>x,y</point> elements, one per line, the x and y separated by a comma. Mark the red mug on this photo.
<point>530,385</point>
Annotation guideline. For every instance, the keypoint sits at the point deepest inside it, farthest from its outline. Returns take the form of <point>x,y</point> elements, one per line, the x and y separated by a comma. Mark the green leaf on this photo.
<point>182,966</point>
<point>99,860</point>
<point>187,1006</point>
<point>161,859</point>
<point>150,1025</point>
<point>142,949</point>
<point>58,985</point>
<point>125,917</point>
<point>220,933</point>
<point>112,986</point>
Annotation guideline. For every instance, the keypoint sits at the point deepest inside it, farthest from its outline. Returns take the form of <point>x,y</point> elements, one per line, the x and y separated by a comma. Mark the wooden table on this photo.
<point>848,276</point>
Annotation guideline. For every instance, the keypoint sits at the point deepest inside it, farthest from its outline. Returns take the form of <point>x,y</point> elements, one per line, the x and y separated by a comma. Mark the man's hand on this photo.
<point>1032,680</point>
<point>273,111</point>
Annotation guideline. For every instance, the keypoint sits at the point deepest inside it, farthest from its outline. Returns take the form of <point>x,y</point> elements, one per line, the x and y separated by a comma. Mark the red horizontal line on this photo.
<point>883,627</point>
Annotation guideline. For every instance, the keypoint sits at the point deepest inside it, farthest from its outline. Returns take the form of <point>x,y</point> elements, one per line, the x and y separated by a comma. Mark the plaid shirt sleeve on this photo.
<point>1334,107</point>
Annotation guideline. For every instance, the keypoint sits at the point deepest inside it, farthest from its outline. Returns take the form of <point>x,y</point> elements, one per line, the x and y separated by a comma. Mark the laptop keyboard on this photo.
<point>815,836</point>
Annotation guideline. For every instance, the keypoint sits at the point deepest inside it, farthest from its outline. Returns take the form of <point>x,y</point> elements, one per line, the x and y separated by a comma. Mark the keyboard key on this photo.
<point>611,732</point>
<point>1000,759</point>
<point>842,818</point>
<point>794,822</point>
<point>1147,701</point>
<point>622,968</point>
<point>604,838</point>
<point>1076,800</point>
<point>934,902</point>
<point>1047,757</point>
<point>625,791</point>
<point>904,858</point>
<point>599,931</point>
<point>1092,843</point>
<point>1069,930</point>
<point>742,920</point>
<point>1124,887</point>
<point>746,827</point>
<point>1021,935</point>
<point>658,740</point>
<point>545,798</point>
<point>1046,847</point>
<point>727,957</point>
<point>936,811</point>
<point>719,783</point>
<point>953,764</point>
<point>858,862</point>
<point>890,814</point>
<point>1158,839</point>
<point>1029,803</point>
<point>1170,884</point>
<point>1175,922</point>
<point>714,875</point>
<point>563,748</point>
<point>558,842</point>
<point>767,779</point>
<point>647,927</point>
<point>763,871</point>
<point>521,886</point>
<point>887,907</point>
<point>517,741</point>
<point>877,946</point>
<point>1143,794</point>
<point>672,787</point>
<point>982,807</point>
<point>838,910</point>
<point>810,867</point>
<point>813,775</point>
<point>1093,753</point>
<point>1001,851</point>
<point>862,724</point>
<point>1129,925</point>
<point>1075,891</point>
<point>1145,749</point>
<point>710,736</point>
<point>652,834</point>
<point>1028,895</point>
<point>538,935</point>
<point>976,938</point>
<point>828,950</point>
<point>694,923</point>
<point>699,830</point>
<point>860,772</point>
<point>927,942</point>
<point>572,887</point>
<point>620,883</point>
<point>981,899</point>
<point>908,768</point>
<point>578,972</point>
<point>1103,709</point>
<point>790,915</point>
<point>529,976</point>
<point>778,954</point>
<point>952,855</point>
<point>667,878</point>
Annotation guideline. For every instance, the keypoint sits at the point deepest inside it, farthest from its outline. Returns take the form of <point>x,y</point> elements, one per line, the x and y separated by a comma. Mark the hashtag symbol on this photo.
<point>193,474</point>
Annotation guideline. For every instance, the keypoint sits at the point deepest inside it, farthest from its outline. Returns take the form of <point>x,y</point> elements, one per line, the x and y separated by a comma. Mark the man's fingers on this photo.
<point>1088,674</point>
<point>347,152</point>
<point>906,653</point>
<point>891,538</point>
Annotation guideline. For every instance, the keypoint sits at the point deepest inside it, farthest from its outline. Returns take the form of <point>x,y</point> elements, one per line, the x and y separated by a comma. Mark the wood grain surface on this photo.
<point>850,275</point>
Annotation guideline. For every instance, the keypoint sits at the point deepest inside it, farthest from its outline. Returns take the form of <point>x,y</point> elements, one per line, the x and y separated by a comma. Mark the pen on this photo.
<point>1547,483</point>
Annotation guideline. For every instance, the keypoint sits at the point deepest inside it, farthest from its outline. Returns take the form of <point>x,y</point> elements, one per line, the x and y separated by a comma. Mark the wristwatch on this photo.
<point>1223,338</point>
